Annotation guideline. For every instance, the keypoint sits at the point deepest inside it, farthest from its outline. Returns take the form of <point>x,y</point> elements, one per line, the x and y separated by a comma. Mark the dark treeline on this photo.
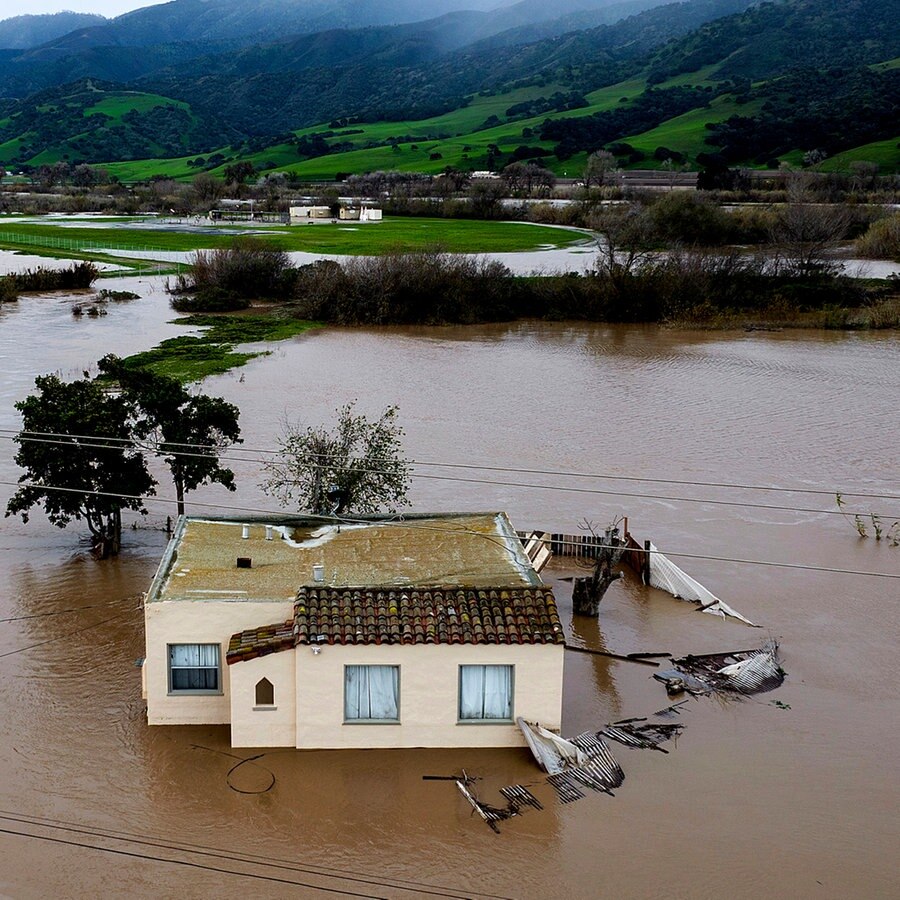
<point>631,282</point>
<point>688,286</point>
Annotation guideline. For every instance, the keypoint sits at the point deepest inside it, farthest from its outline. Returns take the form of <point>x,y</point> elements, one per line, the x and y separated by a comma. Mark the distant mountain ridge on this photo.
<point>741,81</point>
<point>21,32</point>
<point>183,30</point>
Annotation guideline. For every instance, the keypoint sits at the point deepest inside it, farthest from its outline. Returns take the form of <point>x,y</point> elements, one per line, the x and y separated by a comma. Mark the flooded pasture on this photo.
<point>755,799</point>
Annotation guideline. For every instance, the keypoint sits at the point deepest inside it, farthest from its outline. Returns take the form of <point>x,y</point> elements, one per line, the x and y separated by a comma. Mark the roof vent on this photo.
<point>318,573</point>
<point>245,532</point>
<point>243,562</point>
<point>269,532</point>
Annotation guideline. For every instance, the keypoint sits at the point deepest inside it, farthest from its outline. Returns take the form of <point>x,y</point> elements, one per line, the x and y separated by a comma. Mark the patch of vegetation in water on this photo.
<point>117,296</point>
<point>192,358</point>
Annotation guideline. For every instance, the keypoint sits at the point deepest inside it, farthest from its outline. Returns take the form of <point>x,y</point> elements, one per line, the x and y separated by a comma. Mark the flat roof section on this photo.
<point>468,550</point>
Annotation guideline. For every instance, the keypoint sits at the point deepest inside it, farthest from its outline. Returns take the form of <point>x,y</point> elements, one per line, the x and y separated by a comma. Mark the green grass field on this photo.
<point>116,103</point>
<point>454,235</point>
<point>451,135</point>
<point>885,153</point>
<point>687,133</point>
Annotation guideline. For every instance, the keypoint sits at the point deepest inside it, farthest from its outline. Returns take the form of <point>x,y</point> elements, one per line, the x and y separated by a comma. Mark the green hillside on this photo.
<point>885,154</point>
<point>687,133</point>
<point>95,122</point>
<point>772,82</point>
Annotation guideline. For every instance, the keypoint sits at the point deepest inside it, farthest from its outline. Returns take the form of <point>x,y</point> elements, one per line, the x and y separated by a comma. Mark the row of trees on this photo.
<point>84,448</point>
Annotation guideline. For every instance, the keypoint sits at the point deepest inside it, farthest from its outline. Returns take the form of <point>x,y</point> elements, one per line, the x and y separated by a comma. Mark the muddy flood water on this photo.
<point>798,799</point>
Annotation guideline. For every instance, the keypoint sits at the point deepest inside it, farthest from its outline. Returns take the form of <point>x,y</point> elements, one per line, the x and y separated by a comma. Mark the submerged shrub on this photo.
<point>406,288</point>
<point>8,290</point>
<point>248,269</point>
<point>882,240</point>
<point>78,275</point>
<point>210,299</point>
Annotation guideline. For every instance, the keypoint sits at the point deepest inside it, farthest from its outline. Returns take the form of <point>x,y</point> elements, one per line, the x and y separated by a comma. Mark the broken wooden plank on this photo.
<point>622,658</point>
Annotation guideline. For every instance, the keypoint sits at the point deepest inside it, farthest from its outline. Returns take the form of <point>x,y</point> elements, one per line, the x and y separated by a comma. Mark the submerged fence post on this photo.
<point>645,573</point>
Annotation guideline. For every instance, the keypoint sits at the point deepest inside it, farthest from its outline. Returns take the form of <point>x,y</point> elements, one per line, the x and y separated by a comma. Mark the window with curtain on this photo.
<point>371,693</point>
<point>194,668</point>
<point>485,693</point>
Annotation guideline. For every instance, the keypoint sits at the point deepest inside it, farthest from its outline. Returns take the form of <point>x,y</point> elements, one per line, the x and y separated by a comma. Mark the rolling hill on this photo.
<point>695,82</point>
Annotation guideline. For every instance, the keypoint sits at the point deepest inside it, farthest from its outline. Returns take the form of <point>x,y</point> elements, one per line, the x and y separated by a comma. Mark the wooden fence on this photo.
<point>588,546</point>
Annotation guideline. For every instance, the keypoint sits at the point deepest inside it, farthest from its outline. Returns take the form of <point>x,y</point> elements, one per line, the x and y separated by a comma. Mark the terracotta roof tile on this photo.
<point>255,642</point>
<point>515,615</point>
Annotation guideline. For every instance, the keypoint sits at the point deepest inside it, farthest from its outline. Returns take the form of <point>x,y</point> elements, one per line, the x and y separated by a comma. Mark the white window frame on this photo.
<point>361,721</point>
<point>490,720</point>
<point>187,692</point>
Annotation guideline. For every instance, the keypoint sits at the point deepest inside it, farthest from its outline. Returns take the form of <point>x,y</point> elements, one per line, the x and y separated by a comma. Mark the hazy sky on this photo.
<point>10,8</point>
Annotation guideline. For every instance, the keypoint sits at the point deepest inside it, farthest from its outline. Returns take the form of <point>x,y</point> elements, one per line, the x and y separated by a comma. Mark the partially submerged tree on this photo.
<point>588,592</point>
<point>187,431</point>
<point>804,235</point>
<point>356,467</point>
<point>626,241</point>
<point>75,446</point>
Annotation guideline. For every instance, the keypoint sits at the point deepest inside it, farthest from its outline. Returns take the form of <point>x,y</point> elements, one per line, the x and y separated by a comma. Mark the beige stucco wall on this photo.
<point>197,622</point>
<point>272,726</point>
<point>309,696</point>
<point>429,682</point>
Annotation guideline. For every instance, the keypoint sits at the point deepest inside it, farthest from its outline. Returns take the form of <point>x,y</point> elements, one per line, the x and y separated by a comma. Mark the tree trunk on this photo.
<point>179,495</point>
<point>588,592</point>
<point>107,539</point>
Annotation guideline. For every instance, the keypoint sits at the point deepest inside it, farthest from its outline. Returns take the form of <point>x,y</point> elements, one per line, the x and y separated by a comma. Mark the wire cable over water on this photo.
<point>267,862</point>
<point>399,522</point>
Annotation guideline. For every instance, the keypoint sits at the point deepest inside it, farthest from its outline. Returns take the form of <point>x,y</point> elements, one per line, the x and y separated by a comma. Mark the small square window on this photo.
<point>485,693</point>
<point>194,669</point>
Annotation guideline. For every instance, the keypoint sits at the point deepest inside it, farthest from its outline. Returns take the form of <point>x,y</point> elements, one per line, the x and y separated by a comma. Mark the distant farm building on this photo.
<point>305,213</point>
<point>300,214</point>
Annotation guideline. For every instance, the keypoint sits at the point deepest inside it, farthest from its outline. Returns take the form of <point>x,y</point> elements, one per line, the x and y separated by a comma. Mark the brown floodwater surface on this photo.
<point>753,800</point>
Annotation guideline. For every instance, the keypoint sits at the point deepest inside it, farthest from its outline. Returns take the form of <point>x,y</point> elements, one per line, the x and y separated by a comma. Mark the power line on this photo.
<point>519,484</point>
<point>34,435</point>
<point>399,522</point>
<point>242,857</point>
<point>61,612</point>
<point>184,862</point>
<point>68,634</point>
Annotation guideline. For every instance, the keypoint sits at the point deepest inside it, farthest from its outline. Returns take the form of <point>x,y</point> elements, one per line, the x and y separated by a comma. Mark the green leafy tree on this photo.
<point>356,467</point>
<point>239,172</point>
<point>187,431</point>
<point>90,478</point>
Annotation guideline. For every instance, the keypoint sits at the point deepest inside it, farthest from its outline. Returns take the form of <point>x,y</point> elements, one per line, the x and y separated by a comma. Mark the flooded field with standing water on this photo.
<point>796,799</point>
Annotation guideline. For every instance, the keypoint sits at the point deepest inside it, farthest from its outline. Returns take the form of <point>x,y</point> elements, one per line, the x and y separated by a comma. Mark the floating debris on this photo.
<point>666,576</point>
<point>553,753</point>
<point>644,737</point>
<point>737,671</point>
<point>565,789</point>
<point>518,795</point>
<point>585,759</point>
<point>491,814</point>
<point>670,712</point>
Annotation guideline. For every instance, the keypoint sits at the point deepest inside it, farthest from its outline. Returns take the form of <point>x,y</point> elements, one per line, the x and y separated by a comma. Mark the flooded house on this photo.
<point>428,631</point>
